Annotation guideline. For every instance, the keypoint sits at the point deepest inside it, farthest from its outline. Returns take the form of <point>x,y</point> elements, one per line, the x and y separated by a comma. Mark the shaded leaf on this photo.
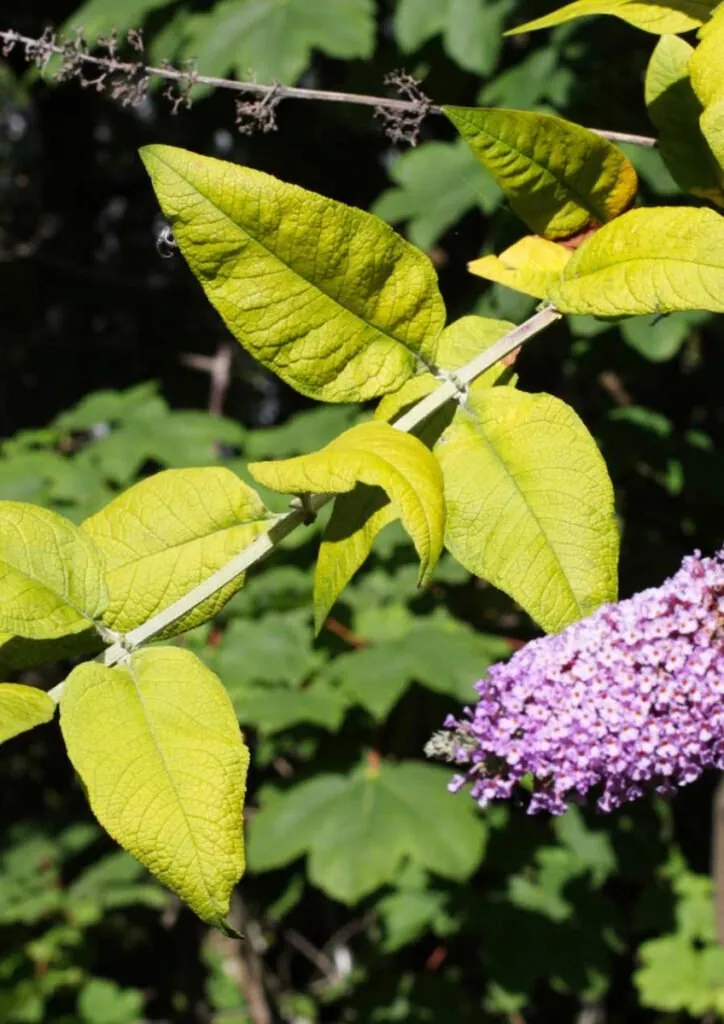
<point>558,177</point>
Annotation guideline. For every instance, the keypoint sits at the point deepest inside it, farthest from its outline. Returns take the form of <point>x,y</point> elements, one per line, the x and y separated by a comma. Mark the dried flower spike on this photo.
<point>626,701</point>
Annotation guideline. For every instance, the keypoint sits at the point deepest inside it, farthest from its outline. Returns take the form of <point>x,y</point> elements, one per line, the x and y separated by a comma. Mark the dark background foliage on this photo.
<point>586,919</point>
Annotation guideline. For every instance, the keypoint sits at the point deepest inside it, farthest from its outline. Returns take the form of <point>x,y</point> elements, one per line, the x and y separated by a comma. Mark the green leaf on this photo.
<point>157,746</point>
<point>655,260</point>
<point>358,829</point>
<point>659,338</point>
<point>100,17</point>
<point>659,17</point>
<point>439,654</point>
<point>103,1002</point>
<point>532,265</point>
<point>327,296</point>
<point>22,708</point>
<point>530,504</point>
<point>559,178</point>
<point>675,111</point>
<point>52,575</point>
<point>166,535</point>
<point>437,183</point>
<point>712,127</point>
<point>274,41</point>
<point>471,30</point>
<point>380,457</point>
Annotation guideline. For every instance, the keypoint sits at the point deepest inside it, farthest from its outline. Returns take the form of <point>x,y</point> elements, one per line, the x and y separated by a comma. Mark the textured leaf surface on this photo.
<point>532,265</point>
<point>275,39</point>
<point>327,296</point>
<point>100,17</point>
<point>712,127</point>
<point>379,457</point>
<point>657,16</point>
<point>166,535</point>
<point>706,65</point>
<point>159,751</point>
<point>358,829</point>
<point>558,177</point>
<point>655,260</point>
<point>675,111</point>
<point>22,708</point>
<point>51,574</point>
<point>530,504</point>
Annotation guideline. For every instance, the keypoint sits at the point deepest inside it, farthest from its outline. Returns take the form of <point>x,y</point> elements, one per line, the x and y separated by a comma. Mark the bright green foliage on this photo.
<point>342,307</point>
<point>471,30</point>
<point>684,970</point>
<point>712,127</point>
<point>158,748</point>
<point>657,16</point>
<point>436,183</point>
<point>655,260</point>
<point>530,504</point>
<point>165,535</point>
<point>103,1002</point>
<point>558,177</point>
<point>675,111</point>
<point>22,708</point>
<point>358,829</point>
<point>99,17</point>
<point>532,265</point>
<point>275,39</point>
<point>379,458</point>
<point>52,575</point>
<point>705,64</point>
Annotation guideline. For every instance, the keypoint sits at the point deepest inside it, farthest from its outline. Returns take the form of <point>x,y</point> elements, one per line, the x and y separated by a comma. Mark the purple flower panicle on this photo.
<point>625,701</point>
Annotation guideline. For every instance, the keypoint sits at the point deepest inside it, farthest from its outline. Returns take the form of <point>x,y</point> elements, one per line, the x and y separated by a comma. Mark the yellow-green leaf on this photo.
<point>379,456</point>
<point>168,533</point>
<point>655,260</point>
<point>22,708</point>
<point>52,579</point>
<point>532,265</point>
<point>158,748</point>
<point>675,111</point>
<point>559,178</point>
<point>530,504</point>
<point>459,343</point>
<point>712,126</point>
<point>706,65</point>
<point>328,297</point>
<point>656,16</point>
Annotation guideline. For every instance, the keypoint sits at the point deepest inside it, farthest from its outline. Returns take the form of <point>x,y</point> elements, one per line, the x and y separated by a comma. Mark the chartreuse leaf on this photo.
<point>158,748</point>
<point>52,579</point>
<point>558,177</point>
<point>706,65</point>
<point>675,111</point>
<point>328,297</point>
<point>459,343</point>
<point>383,459</point>
<point>655,260</point>
<point>531,265</point>
<point>358,829</point>
<point>167,534</point>
<point>22,708</point>
<point>656,16</point>
<point>530,504</point>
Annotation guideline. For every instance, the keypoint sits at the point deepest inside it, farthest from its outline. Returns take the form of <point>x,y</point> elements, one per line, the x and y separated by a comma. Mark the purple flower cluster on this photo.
<point>629,699</point>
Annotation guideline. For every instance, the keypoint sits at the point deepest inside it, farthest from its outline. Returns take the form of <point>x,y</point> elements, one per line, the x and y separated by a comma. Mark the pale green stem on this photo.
<point>289,521</point>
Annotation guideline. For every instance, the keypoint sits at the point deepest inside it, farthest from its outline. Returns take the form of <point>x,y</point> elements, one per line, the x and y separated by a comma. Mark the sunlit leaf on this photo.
<point>167,534</point>
<point>328,297</point>
<point>158,748</point>
<point>22,708</point>
<point>531,265</point>
<point>655,260</point>
<point>657,16</point>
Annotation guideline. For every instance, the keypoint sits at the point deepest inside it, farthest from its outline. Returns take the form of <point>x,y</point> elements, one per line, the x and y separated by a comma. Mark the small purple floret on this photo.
<point>628,700</point>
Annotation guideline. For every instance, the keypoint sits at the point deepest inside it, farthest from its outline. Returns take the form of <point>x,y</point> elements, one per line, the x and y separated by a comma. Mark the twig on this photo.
<point>324,964</point>
<point>289,521</point>
<point>402,116</point>
<point>218,368</point>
